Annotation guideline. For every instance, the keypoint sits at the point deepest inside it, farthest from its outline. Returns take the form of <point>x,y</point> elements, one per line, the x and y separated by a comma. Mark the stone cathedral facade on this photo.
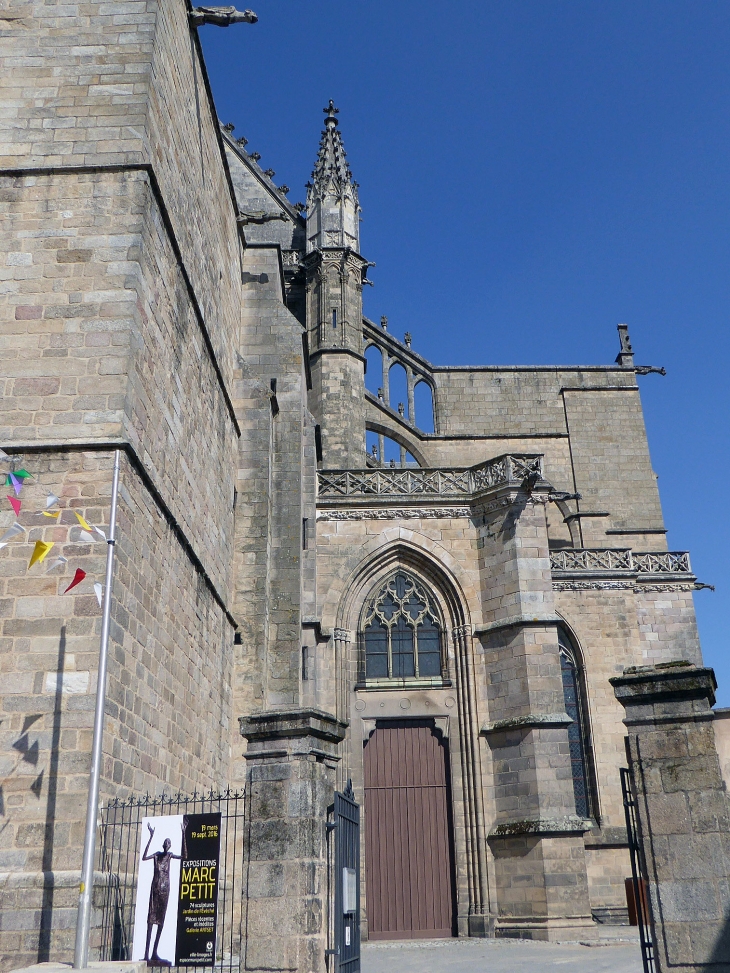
<point>316,581</point>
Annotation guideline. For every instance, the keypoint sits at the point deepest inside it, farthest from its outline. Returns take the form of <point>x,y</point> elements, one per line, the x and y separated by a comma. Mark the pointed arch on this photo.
<point>383,553</point>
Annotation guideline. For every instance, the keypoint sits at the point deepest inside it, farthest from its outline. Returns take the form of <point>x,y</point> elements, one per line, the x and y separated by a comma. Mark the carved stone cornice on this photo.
<point>395,513</point>
<point>637,586</point>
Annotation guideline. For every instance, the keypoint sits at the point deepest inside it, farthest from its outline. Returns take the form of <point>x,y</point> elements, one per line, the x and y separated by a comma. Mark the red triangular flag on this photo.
<point>78,578</point>
<point>15,504</point>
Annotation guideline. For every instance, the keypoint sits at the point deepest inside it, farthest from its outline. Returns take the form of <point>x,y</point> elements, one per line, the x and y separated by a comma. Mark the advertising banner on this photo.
<point>177,890</point>
<point>197,912</point>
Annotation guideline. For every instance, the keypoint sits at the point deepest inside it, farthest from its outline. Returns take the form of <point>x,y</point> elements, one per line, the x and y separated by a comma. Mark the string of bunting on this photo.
<point>88,534</point>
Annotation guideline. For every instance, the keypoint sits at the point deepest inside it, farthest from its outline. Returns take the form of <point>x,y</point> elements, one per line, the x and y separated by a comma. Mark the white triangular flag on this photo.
<point>98,591</point>
<point>100,532</point>
<point>79,536</point>
<point>51,500</point>
<point>3,454</point>
<point>11,532</point>
<point>60,560</point>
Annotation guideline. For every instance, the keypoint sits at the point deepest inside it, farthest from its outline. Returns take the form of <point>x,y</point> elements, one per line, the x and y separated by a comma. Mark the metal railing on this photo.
<point>119,853</point>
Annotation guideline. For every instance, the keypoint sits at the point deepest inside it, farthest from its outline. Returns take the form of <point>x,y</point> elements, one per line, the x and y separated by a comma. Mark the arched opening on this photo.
<point>579,737</point>
<point>373,369</point>
<point>398,385</point>
<point>423,407</point>
<point>384,451</point>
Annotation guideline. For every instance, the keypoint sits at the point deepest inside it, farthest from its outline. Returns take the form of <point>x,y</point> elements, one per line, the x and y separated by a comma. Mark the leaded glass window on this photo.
<point>576,730</point>
<point>402,631</point>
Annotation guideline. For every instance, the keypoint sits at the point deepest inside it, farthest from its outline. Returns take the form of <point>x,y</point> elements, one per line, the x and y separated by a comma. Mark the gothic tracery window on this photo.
<point>578,738</point>
<point>401,631</point>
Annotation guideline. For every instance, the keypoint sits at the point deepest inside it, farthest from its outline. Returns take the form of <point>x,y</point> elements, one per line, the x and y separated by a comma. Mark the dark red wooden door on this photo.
<point>408,847</point>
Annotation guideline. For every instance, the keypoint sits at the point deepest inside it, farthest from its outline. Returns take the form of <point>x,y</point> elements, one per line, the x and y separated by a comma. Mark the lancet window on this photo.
<point>402,631</point>
<point>578,733</point>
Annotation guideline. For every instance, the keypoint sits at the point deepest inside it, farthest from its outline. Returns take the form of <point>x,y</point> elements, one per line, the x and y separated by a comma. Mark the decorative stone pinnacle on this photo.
<point>243,142</point>
<point>384,323</point>
<point>270,173</point>
<point>407,339</point>
<point>331,175</point>
<point>255,156</point>
<point>381,396</point>
<point>330,111</point>
<point>401,409</point>
<point>283,189</point>
<point>228,127</point>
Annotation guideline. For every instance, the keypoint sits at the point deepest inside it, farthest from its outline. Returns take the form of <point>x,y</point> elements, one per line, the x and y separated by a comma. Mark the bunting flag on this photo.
<point>3,455</point>
<point>59,562</point>
<point>82,521</point>
<point>39,552</point>
<point>51,513</point>
<point>85,537</point>
<point>14,482</point>
<point>51,500</point>
<point>100,532</point>
<point>24,475</point>
<point>11,532</point>
<point>15,504</point>
<point>77,579</point>
<point>98,591</point>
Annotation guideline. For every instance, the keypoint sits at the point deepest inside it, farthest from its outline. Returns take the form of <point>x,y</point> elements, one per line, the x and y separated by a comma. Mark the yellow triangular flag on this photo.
<point>55,515</point>
<point>82,521</point>
<point>39,552</point>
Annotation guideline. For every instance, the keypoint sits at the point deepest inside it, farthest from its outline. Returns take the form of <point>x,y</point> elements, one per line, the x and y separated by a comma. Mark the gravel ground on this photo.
<point>499,956</point>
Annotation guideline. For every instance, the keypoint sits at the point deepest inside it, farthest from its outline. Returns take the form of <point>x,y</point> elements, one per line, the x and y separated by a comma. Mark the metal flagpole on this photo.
<point>83,920</point>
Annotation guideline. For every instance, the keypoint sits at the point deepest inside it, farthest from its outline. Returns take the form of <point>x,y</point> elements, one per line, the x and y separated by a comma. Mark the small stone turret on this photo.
<point>335,277</point>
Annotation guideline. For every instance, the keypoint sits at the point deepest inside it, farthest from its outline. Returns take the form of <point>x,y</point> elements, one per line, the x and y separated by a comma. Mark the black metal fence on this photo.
<point>638,875</point>
<point>344,832</point>
<point>119,854</point>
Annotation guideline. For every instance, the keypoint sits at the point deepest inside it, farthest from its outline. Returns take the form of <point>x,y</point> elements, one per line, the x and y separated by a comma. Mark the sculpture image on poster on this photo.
<point>162,843</point>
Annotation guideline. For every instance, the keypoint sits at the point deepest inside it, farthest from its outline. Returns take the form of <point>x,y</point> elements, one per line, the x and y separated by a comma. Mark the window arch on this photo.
<point>401,631</point>
<point>578,731</point>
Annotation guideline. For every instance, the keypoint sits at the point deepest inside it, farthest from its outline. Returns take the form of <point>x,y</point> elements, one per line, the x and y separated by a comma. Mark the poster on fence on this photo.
<point>177,890</point>
<point>197,912</point>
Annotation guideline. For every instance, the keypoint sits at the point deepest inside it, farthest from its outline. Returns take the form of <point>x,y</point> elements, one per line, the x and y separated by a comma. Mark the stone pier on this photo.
<point>683,812</point>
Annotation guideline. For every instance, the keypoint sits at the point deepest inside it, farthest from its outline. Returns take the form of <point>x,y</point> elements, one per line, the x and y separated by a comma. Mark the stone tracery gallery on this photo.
<point>316,581</point>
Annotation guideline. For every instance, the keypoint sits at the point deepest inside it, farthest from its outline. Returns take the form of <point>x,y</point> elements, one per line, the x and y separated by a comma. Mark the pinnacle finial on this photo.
<point>330,111</point>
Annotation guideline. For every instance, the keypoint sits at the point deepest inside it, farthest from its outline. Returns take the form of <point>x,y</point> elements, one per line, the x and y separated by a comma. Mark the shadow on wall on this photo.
<point>44,934</point>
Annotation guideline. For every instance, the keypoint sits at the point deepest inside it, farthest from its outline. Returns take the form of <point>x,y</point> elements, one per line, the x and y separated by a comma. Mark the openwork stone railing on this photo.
<point>503,470</point>
<point>621,559</point>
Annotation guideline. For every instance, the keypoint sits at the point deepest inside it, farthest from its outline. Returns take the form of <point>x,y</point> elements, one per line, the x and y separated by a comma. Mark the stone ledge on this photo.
<point>544,720</point>
<point>642,686</point>
<point>111,966</point>
<point>607,838</point>
<point>513,620</point>
<point>567,824</point>
<point>286,724</point>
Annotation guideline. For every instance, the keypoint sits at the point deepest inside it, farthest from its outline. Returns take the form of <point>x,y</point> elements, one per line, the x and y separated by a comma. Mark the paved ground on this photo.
<point>499,956</point>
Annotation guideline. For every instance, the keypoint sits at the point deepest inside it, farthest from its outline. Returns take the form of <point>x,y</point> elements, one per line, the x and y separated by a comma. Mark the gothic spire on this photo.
<point>332,199</point>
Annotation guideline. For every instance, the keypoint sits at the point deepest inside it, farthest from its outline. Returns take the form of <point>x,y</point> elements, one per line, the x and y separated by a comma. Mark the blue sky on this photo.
<point>532,173</point>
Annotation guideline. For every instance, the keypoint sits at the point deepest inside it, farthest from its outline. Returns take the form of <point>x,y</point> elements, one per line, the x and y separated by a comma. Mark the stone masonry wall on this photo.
<point>168,692</point>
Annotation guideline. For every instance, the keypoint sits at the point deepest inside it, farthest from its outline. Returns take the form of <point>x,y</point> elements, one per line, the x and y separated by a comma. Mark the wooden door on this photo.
<point>409,867</point>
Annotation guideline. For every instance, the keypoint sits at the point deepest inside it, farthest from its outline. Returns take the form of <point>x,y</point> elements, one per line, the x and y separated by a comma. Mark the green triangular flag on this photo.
<point>23,474</point>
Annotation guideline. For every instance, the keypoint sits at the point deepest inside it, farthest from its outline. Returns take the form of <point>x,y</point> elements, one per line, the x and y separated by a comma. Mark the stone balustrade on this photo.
<point>506,470</point>
<point>620,560</point>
